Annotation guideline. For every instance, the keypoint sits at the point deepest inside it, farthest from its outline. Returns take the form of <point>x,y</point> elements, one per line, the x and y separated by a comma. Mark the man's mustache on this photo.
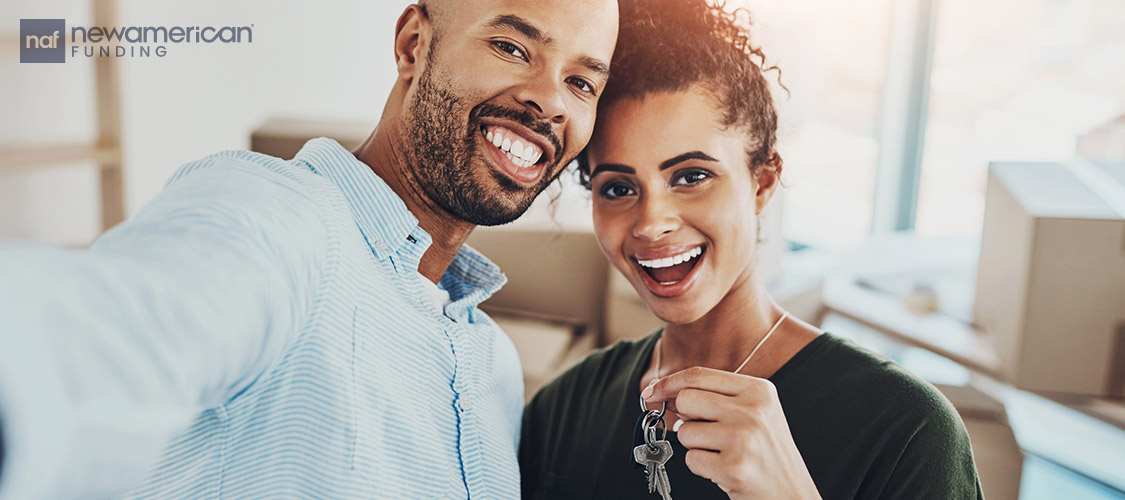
<point>522,117</point>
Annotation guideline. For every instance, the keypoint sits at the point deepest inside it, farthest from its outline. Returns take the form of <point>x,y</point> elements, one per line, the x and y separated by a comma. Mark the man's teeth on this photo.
<point>521,153</point>
<point>672,261</point>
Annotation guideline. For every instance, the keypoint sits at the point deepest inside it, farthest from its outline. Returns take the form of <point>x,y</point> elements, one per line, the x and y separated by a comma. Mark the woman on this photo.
<point>759,404</point>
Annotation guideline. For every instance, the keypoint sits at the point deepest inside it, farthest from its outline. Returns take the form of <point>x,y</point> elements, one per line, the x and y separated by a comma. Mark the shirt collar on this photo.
<point>381,215</point>
<point>389,227</point>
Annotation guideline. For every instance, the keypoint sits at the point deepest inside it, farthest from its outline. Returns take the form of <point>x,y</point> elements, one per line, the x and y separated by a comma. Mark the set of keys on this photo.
<point>653,453</point>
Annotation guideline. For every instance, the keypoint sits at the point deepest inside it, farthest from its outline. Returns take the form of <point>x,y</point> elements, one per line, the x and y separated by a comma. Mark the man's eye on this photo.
<point>616,190</point>
<point>691,177</point>
<point>509,48</point>
<point>582,84</point>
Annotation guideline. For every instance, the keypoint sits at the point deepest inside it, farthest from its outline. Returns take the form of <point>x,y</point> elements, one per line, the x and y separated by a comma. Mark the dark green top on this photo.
<point>866,428</point>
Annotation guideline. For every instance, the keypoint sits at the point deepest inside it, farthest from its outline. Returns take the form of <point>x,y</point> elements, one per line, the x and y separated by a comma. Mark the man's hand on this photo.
<point>735,432</point>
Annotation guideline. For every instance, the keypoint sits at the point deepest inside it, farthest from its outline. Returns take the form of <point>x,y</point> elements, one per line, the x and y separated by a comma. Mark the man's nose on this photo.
<point>543,96</point>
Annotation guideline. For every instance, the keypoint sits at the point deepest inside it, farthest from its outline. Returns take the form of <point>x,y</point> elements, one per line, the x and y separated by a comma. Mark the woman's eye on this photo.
<point>509,48</point>
<point>616,190</point>
<point>691,177</point>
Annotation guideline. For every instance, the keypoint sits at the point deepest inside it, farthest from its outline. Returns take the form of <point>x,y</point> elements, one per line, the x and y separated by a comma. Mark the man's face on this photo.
<point>505,99</point>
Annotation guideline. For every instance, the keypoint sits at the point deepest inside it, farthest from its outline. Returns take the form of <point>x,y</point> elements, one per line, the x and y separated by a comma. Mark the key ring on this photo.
<point>663,406</point>
<point>651,422</point>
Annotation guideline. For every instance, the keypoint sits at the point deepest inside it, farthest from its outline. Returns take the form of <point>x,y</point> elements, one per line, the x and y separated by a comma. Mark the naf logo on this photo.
<point>42,40</point>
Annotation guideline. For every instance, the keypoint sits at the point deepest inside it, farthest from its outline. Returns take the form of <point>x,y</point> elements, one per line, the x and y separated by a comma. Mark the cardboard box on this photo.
<point>1051,279</point>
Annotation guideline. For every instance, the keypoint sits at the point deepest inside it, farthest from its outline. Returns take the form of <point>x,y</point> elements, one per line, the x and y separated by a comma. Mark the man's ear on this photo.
<point>412,36</point>
<point>768,179</point>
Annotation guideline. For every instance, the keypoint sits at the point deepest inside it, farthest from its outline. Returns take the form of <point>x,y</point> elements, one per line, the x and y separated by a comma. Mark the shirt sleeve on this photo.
<point>937,462</point>
<point>108,353</point>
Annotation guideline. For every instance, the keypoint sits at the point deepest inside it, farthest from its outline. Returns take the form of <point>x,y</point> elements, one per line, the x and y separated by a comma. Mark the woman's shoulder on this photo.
<point>842,394</point>
<point>839,369</point>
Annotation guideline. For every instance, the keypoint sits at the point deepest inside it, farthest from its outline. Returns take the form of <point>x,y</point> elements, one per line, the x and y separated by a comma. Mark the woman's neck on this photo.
<point>723,337</point>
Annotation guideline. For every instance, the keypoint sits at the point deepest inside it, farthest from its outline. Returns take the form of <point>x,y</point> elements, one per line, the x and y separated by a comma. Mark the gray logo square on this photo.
<point>42,40</point>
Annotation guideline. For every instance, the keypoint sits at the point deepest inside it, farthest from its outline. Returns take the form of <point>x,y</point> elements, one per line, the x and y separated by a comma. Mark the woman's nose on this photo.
<point>656,219</point>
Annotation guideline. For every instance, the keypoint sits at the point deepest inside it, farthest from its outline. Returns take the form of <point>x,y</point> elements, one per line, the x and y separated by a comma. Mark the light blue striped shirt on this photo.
<point>259,330</point>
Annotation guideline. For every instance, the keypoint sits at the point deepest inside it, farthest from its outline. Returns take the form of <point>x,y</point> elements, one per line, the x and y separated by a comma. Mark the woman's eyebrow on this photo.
<point>612,167</point>
<point>664,165</point>
<point>693,155</point>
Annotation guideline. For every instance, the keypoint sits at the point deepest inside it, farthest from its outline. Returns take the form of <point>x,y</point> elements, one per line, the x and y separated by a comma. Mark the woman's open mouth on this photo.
<point>670,276</point>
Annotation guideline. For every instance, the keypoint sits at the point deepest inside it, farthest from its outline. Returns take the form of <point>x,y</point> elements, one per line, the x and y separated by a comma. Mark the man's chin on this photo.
<point>496,211</point>
<point>492,198</point>
<point>489,219</point>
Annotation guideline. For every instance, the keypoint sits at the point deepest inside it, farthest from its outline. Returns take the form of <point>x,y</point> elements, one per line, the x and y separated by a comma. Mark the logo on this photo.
<point>42,40</point>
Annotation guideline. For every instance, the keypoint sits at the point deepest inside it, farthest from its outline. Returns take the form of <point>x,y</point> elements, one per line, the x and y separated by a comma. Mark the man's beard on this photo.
<point>442,153</point>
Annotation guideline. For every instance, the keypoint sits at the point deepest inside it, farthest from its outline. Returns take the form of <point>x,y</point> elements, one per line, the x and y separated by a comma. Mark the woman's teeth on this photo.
<point>523,154</point>
<point>672,261</point>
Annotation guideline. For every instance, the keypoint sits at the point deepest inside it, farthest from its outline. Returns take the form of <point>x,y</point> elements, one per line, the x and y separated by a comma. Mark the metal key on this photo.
<point>653,458</point>
<point>662,485</point>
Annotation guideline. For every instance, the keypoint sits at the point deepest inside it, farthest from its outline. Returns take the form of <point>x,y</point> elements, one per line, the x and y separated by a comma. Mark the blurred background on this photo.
<point>954,171</point>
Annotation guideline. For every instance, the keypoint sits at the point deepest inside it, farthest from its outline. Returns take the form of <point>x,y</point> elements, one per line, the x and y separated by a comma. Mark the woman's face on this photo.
<point>675,204</point>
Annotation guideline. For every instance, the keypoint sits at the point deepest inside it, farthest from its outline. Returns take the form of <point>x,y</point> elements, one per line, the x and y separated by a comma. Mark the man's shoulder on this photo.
<point>242,192</point>
<point>294,175</point>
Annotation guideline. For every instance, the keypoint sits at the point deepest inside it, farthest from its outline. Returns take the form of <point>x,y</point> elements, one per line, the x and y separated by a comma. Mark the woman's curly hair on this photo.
<point>673,45</point>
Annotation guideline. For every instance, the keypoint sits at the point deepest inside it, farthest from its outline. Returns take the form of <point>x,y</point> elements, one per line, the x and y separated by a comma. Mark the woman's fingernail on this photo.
<point>676,426</point>
<point>647,393</point>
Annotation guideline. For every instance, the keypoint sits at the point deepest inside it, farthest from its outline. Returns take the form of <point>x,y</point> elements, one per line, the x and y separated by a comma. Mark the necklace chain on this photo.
<point>773,328</point>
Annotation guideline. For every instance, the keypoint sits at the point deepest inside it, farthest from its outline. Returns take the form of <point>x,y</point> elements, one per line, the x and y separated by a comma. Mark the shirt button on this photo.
<point>465,403</point>
<point>382,247</point>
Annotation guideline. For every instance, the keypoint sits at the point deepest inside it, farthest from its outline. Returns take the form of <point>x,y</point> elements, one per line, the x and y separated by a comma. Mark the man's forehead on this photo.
<point>585,25</point>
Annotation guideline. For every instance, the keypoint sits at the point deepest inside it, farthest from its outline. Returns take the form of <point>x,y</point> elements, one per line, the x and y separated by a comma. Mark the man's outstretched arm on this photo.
<point>107,353</point>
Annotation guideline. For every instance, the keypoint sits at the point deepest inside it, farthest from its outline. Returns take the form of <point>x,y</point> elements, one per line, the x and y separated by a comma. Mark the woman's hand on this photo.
<point>735,433</point>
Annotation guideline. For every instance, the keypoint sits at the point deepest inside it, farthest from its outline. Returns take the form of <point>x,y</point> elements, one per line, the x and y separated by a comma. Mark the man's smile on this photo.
<point>520,154</point>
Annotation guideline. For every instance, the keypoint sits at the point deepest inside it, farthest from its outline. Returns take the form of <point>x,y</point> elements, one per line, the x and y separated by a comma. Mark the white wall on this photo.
<point>308,59</point>
<point>328,60</point>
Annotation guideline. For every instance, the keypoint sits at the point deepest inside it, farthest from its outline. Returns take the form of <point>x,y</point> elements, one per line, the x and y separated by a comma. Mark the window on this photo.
<point>1013,80</point>
<point>833,58</point>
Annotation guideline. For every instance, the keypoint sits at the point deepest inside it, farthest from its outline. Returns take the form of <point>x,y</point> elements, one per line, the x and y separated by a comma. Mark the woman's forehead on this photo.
<point>660,126</point>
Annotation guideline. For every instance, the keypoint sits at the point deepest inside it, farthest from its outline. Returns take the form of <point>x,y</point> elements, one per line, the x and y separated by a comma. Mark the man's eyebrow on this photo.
<point>694,155</point>
<point>522,26</point>
<point>612,167</point>
<point>595,65</point>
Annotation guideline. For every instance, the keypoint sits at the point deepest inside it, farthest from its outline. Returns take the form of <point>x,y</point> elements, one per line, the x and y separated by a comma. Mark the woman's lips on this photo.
<point>672,276</point>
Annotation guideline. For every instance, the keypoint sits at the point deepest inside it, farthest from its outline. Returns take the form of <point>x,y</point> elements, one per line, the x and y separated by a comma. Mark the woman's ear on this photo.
<point>413,34</point>
<point>768,179</point>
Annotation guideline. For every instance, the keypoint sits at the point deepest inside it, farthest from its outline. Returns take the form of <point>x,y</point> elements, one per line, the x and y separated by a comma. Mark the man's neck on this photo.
<point>381,152</point>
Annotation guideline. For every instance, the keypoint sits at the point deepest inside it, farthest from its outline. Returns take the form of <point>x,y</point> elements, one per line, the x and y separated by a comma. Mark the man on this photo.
<point>310,328</point>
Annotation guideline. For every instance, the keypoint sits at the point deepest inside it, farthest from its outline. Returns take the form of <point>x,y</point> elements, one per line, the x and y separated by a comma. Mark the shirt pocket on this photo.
<point>402,447</point>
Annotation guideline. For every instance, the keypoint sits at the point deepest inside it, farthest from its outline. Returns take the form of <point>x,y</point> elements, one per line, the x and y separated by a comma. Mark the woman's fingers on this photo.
<point>707,379</point>
<point>750,390</point>
<point>699,404</point>
<point>697,435</point>
<point>705,463</point>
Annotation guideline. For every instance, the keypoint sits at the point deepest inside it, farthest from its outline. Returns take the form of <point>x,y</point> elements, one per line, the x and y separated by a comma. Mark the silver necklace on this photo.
<point>773,328</point>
